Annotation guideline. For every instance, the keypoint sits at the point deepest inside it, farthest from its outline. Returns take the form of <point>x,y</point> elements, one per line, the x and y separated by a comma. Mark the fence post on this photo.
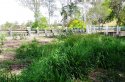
<point>94,29</point>
<point>87,29</point>
<point>45,32</point>
<point>90,29</point>
<point>29,31</point>
<point>107,30</point>
<point>10,32</point>
<point>118,30</point>
<point>37,31</point>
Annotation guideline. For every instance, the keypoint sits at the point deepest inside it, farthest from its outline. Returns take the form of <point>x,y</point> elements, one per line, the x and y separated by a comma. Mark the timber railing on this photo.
<point>119,31</point>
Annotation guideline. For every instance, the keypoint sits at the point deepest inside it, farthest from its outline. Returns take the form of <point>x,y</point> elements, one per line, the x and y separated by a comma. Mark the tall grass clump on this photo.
<point>76,57</point>
<point>8,77</point>
<point>34,50</point>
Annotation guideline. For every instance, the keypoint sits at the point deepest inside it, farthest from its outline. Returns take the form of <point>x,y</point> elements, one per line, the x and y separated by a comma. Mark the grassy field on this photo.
<point>75,58</point>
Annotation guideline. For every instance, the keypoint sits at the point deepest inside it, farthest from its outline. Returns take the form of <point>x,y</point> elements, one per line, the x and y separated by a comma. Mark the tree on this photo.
<point>76,23</point>
<point>33,5</point>
<point>122,17</point>
<point>51,6</point>
<point>28,24</point>
<point>9,25</point>
<point>69,12</point>
<point>117,8</point>
<point>42,23</point>
<point>98,13</point>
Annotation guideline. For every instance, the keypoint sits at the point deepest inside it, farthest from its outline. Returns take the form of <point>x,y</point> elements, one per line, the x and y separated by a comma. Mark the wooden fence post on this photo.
<point>87,29</point>
<point>107,28</point>
<point>118,30</point>
<point>10,33</point>
<point>29,31</point>
<point>45,33</point>
<point>37,32</point>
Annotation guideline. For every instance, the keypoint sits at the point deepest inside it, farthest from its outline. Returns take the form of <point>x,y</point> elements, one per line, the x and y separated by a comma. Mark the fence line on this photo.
<point>54,32</point>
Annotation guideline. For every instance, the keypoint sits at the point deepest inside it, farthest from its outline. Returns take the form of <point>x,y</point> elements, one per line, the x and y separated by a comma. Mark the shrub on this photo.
<point>42,23</point>
<point>75,23</point>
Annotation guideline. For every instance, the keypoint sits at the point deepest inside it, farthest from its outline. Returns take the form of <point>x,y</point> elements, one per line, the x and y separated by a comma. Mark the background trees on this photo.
<point>117,7</point>
<point>98,13</point>
<point>42,23</point>
<point>101,12</point>
<point>33,5</point>
<point>51,6</point>
<point>69,12</point>
<point>8,26</point>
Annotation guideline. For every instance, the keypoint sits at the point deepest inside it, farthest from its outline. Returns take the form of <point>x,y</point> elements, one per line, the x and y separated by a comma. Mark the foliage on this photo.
<point>42,23</point>
<point>29,24</point>
<point>9,25</point>
<point>76,57</point>
<point>4,77</point>
<point>27,51</point>
<point>34,50</point>
<point>76,24</point>
<point>98,13</point>
<point>2,39</point>
<point>122,17</point>
<point>51,6</point>
<point>117,8</point>
<point>34,6</point>
<point>69,12</point>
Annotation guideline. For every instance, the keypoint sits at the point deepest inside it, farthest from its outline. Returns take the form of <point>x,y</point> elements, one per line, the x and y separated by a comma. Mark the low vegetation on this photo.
<point>84,58</point>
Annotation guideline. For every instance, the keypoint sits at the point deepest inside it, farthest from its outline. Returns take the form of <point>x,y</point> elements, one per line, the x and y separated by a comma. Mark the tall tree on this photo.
<point>98,13</point>
<point>117,8</point>
<point>69,11</point>
<point>51,6</point>
<point>33,5</point>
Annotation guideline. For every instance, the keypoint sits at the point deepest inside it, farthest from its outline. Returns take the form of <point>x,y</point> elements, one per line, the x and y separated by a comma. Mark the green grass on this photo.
<point>34,50</point>
<point>75,58</point>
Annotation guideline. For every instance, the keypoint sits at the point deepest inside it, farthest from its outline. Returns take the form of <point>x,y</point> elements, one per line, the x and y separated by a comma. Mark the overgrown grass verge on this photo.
<point>84,58</point>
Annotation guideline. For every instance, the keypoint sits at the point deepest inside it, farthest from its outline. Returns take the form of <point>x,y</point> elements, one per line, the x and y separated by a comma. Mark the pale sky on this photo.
<point>11,11</point>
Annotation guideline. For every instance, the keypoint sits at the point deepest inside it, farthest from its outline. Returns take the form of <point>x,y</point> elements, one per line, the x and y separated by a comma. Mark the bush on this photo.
<point>75,23</point>
<point>42,23</point>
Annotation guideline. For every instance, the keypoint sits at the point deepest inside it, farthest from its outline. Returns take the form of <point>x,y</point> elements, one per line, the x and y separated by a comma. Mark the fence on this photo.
<point>55,32</point>
<point>115,31</point>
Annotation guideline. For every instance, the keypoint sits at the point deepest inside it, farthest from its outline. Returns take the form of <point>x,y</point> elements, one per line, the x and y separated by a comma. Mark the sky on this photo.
<point>12,11</point>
